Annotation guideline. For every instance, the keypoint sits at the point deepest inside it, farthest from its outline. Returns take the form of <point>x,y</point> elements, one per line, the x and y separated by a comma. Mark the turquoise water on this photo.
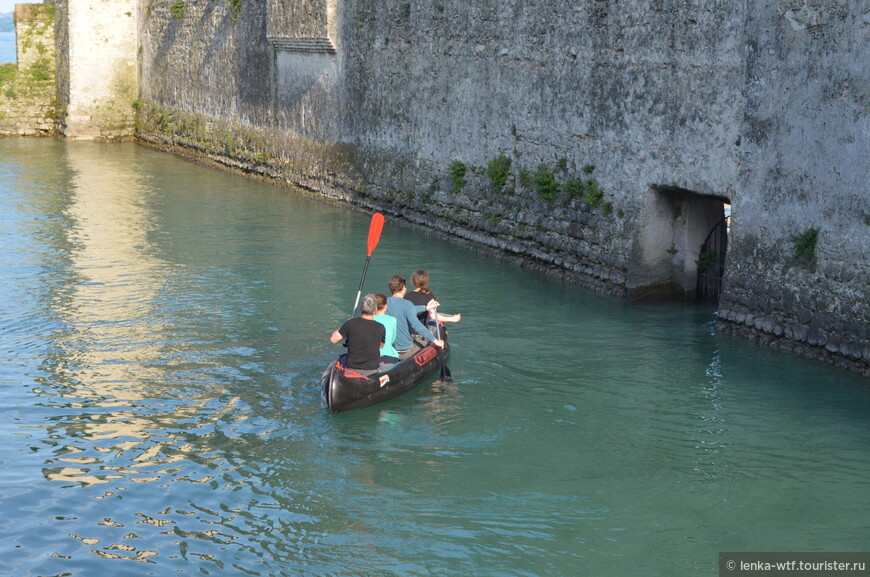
<point>163,330</point>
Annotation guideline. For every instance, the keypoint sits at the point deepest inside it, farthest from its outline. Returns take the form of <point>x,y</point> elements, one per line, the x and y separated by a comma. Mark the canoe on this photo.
<point>343,389</point>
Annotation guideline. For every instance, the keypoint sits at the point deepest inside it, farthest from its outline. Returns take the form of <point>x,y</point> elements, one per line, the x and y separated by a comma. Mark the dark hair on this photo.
<point>382,300</point>
<point>420,280</point>
<point>397,283</point>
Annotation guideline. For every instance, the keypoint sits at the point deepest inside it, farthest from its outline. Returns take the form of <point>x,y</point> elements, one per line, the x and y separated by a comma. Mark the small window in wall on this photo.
<point>7,33</point>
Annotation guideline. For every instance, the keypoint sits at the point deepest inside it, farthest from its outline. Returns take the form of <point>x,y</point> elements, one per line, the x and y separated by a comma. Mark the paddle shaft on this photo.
<point>375,228</point>
<point>361,281</point>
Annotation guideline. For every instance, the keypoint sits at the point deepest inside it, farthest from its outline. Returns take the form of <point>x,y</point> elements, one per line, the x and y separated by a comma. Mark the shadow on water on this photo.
<point>164,329</point>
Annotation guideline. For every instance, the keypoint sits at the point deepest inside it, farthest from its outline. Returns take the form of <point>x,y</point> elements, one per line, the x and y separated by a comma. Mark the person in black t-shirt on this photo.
<point>421,295</point>
<point>365,337</point>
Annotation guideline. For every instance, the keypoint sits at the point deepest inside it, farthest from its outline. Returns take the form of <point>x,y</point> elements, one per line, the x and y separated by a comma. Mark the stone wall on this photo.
<point>27,88</point>
<point>804,173</point>
<point>624,130</point>
<point>97,71</point>
<point>415,87</point>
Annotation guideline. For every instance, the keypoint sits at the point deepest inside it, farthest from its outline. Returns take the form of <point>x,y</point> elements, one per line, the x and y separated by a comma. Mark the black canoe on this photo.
<point>343,389</point>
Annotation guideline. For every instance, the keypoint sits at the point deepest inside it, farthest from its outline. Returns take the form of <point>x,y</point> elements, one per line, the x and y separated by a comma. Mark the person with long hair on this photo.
<point>422,295</point>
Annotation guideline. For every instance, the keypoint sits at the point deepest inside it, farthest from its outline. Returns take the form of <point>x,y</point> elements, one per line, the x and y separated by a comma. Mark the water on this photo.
<point>162,330</point>
<point>7,47</point>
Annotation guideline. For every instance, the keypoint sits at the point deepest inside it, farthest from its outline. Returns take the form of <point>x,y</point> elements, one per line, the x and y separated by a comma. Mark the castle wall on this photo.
<point>623,125</point>
<point>648,96</point>
<point>27,87</point>
<point>803,166</point>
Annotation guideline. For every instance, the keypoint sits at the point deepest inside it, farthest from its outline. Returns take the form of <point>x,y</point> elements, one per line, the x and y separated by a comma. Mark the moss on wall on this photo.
<point>651,97</point>
<point>28,102</point>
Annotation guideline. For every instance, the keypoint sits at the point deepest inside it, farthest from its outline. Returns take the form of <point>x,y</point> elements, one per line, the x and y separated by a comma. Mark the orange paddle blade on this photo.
<point>375,229</point>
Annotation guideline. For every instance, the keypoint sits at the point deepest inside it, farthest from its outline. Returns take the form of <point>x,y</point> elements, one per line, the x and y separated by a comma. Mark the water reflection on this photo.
<point>163,330</point>
<point>139,368</point>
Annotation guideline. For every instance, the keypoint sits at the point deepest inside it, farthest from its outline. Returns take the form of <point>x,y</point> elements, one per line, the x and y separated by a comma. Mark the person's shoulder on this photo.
<point>418,298</point>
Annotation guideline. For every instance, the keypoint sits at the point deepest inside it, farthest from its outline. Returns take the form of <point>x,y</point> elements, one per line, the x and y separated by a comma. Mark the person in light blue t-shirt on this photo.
<point>405,314</point>
<point>389,355</point>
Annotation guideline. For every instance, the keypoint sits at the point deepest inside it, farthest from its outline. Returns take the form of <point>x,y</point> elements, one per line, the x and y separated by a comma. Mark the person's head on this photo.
<point>382,303</point>
<point>369,304</point>
<point>397,284</point>
<point>420,280</point>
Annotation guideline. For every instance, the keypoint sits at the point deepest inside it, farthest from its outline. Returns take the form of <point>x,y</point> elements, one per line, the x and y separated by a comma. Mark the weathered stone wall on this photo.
<point>27,88</point>
<point>416,86</point>
<point>98,73</point>
<point>624,126</point>
<point>803,166</point>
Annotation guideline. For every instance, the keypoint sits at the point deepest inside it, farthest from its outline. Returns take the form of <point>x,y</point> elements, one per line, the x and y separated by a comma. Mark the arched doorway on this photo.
<point>670,242</point>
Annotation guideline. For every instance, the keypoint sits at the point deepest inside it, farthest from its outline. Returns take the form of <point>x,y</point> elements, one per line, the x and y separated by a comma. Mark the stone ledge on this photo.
<point>860,365</point>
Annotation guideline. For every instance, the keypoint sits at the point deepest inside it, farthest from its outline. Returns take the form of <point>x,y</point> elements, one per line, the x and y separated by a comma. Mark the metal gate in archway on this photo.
<point>711,262</point>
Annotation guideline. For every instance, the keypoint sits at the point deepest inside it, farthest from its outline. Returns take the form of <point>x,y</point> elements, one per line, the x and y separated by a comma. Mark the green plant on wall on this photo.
<point>41,70</point>
<point>575,187</point>
<point>589,190</point>
<point>544,183</point>
<point>178,9</point>
<point>804,246</point>
<point>456,173</point>
<point>7,73</point>
<point>593,194</point>
<point>235,8</point>
<point>498,170</point>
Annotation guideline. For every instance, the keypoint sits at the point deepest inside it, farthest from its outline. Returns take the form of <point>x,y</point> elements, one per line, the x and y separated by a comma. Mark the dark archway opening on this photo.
<point>711,260</point>
<point>677,242</point>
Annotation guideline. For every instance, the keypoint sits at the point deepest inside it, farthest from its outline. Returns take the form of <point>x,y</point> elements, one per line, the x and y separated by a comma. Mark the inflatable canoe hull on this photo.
<point>343,389</point>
